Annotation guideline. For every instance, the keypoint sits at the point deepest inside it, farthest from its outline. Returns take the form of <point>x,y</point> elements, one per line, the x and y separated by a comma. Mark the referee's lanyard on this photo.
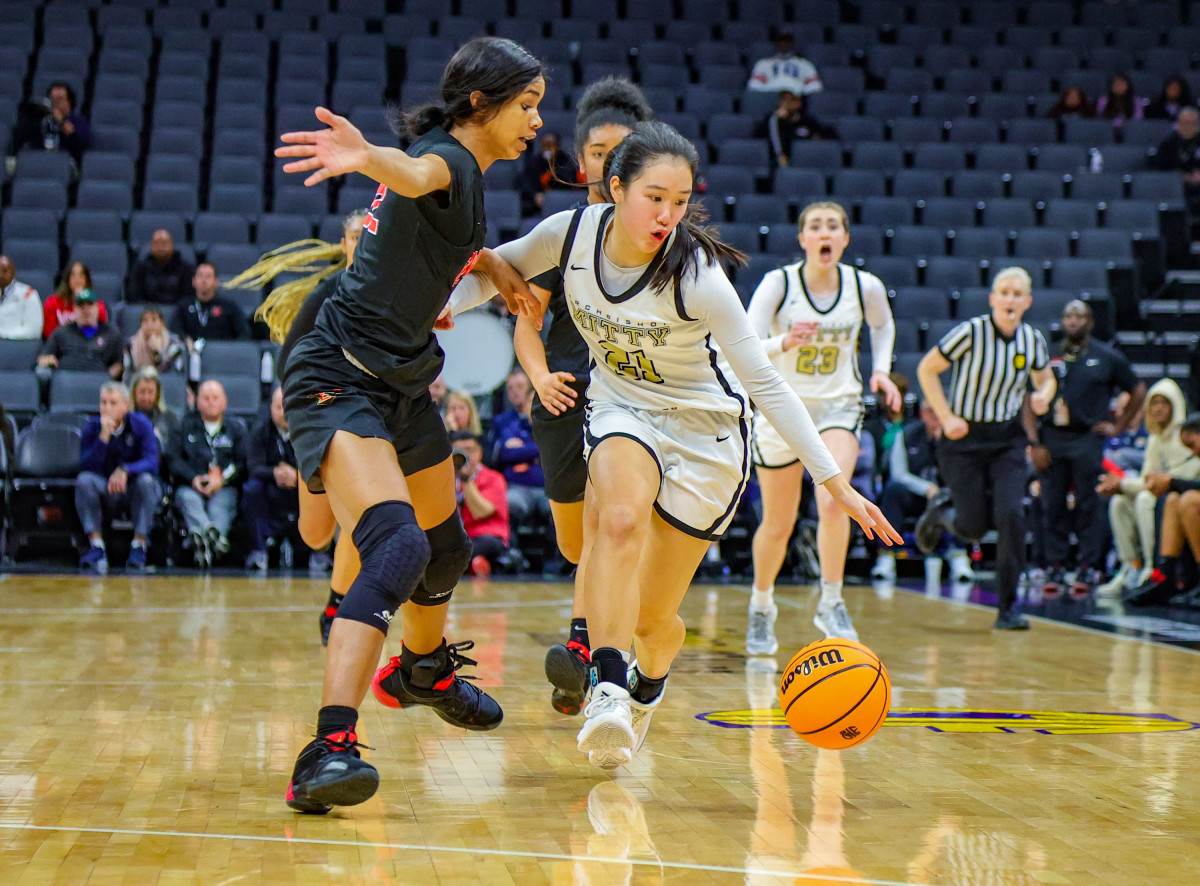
<point>201,312</point>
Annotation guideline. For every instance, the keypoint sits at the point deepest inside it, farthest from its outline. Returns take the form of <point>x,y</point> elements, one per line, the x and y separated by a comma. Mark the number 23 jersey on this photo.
<point>826,365</point>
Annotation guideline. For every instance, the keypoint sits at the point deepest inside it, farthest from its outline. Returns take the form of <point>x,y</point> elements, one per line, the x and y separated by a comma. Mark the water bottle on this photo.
<point>1097,164</point>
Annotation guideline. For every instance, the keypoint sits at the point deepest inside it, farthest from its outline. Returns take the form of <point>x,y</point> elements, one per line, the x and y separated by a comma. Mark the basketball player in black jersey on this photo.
<point>364,427</point>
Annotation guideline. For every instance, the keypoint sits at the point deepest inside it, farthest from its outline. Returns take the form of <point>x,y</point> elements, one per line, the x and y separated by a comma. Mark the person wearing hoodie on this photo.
<point>1180,525</point>
<point>1134,500</point>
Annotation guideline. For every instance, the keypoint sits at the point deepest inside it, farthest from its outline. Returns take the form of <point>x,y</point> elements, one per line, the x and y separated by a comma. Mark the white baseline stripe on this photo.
<point>459,850</point>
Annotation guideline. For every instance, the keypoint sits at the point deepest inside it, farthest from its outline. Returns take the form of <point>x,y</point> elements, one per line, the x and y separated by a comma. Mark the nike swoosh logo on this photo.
<point>722,439</point>
<point>577,268</point>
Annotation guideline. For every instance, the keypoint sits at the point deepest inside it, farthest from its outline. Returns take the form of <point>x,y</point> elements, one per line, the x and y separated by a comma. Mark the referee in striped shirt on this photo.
<point>982,454</point>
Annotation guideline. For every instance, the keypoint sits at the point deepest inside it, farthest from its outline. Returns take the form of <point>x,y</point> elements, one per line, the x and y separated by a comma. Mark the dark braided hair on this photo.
<point>648,143</point>
<point>499,68</point>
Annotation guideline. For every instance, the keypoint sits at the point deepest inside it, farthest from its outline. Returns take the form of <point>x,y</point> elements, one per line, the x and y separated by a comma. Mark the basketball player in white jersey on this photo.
<point>809,315</point>
<point>667,428</point>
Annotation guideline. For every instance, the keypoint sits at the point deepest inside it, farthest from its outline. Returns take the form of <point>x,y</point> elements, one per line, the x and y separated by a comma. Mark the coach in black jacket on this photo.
<point>208,464</point>
<point>208,315</point>
<point>270,498</point>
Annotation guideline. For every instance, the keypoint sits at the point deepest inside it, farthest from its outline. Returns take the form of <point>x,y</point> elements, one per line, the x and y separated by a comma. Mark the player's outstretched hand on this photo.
<point>326,152</point>
<point>881,382</point>
<point>554,392</point>
<point>862,511</point>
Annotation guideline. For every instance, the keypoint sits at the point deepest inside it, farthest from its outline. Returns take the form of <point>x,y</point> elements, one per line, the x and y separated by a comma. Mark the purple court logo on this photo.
<point>968,720</point>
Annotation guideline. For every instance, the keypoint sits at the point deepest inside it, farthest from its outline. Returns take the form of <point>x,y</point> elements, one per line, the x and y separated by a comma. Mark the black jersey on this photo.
<point>411,254</point>
<point>306,317</point>
<point>566,350</point>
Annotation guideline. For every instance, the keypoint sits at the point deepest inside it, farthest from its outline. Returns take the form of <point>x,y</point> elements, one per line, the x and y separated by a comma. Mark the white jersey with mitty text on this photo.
<point>825,364</point>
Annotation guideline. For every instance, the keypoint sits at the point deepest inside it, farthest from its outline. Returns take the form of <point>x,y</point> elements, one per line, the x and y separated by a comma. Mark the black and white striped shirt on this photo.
<point>991,372</point>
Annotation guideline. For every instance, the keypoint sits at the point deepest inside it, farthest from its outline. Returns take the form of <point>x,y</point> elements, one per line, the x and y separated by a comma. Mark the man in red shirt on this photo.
<point>482,501</point>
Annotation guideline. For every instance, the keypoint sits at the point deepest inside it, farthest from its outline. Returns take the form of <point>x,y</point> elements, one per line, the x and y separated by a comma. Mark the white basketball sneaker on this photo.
<point>760,630</point>
<point>607,735</point>
<point>833,620</point>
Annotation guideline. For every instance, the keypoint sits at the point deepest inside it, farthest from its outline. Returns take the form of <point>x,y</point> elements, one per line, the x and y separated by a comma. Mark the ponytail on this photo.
<point>647,143</point>
<point>315,258</point>
<point>498,68</point>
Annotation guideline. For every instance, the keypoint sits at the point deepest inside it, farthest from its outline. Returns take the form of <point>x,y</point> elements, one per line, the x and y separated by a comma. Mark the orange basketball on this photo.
<point>835,693</point>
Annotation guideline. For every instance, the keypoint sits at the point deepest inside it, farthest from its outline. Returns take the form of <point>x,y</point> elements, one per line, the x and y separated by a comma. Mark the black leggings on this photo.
<point>490,547</point>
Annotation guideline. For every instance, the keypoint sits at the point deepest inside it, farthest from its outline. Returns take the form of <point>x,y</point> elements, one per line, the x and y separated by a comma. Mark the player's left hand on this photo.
<point>334,151</point>
<point>862,511</point>
<point>881,382</point>
<point>445,320</point>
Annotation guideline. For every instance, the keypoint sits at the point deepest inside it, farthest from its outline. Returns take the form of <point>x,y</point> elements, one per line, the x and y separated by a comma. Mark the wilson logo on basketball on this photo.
<point>810,664</point>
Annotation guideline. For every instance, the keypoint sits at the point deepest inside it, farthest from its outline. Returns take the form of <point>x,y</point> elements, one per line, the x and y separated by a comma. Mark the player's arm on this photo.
<point>531,255</point>
<point>553,388</point>
<point>878,313</point>
<point>764,305</point>
<point>341,148</point>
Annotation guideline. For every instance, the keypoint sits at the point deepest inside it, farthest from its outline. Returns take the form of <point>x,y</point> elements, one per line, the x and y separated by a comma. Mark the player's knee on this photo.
<point>620,521</point>
<point>449,556</point>
<point>394,553</point>
<point>1189,502</point>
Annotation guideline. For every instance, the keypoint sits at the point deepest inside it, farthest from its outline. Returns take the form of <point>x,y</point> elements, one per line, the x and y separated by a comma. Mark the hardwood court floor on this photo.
<point>150,726</point>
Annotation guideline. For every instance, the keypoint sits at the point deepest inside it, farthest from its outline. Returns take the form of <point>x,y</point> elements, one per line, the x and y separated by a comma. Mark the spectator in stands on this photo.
<point>462,414</point>
<point>20,305</point>
<point>784,70</point>
<point>149,401</point>
<point>85,344</point>
<point>514,453</point>
<point>1180,151</point>
<point>437,392</point>
<point>1131,510</point>
<point>1072,103</point>
<point>208,315</point>
<point>1180,524</point>
<point>1070,448</point>
<point>162,276</point>
<point>1175,96</point>
<point>1120,104</point>
<point>59,308</point>
<point>912,483</point>
<point>118,468</point>
<point>208,462</point>
<point>547,168</point>
<point>483,503</point>
<point>154,345</point>
<point>789,123</point>
<point>270,497</point>
<point>54,124</point>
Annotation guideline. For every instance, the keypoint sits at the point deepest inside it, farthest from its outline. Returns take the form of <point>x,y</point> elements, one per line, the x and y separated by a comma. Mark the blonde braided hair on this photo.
<point>315,258</point>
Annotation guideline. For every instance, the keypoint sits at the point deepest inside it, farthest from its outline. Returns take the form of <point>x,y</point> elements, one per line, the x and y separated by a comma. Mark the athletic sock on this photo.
<point>831,591</point>
<point>646,689</point>
<point>610,665</point>
<point>99,543</point>
<point>137,544</point>
<point>579,632</point>
<point>336,718</point>
<point>762,599</point>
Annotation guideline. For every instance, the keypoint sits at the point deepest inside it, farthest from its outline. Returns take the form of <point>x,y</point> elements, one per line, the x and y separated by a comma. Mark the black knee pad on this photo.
<point>394,553</point>
<point>450,554</point>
